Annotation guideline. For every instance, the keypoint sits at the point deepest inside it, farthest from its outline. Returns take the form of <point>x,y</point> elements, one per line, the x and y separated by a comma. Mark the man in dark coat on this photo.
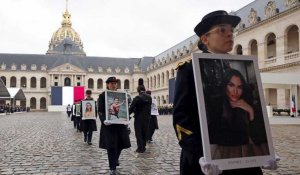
<point>113,137</point>
<point>141,106</point>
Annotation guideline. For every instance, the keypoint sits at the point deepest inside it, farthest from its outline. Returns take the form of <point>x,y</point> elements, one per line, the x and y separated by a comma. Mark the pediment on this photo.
<point>67,67</point>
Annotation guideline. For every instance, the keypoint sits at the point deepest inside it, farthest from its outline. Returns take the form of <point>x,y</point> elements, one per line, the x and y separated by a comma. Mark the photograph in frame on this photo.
<point>77,109</point>
<point>88,109</point>
<point>116,106</point>
<point>154,108</point>
<point>234,122</point>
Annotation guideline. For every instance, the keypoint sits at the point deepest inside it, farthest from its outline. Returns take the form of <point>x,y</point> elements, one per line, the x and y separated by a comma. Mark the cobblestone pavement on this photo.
<point>46,143</point>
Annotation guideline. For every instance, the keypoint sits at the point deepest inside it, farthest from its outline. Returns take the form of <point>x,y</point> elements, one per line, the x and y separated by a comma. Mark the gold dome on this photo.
<point>65,31</point>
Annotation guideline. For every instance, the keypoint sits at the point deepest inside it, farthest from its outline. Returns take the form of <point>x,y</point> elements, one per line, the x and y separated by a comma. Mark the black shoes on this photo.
<point>84,139</point>
<point>118,163</point>
<point>89,143</point>
<point>140,150</point>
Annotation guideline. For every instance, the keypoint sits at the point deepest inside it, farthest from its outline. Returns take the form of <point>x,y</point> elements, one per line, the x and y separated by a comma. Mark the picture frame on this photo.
<point>78,110</point>
<point>154,108</point>
<point>232,112</point>
<point>116,106</point>
<point>88,108</point>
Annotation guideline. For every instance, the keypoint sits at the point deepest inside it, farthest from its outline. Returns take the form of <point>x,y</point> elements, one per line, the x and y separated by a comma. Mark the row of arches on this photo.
<point>161,100</point>
<point>33,103</point>
<point>24,83</point>
<point>291,44</point>
<point>91,84</point>
<point>160,79</point>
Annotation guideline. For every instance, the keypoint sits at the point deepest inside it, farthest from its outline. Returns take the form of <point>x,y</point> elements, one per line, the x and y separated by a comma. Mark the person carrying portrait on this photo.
<point>153,124</point>
<point>77,118</point>
<point>69,110</point>
<point>141,107</point>
<point>215,33</point>
<point>88,116</point>
<point>113,137</point>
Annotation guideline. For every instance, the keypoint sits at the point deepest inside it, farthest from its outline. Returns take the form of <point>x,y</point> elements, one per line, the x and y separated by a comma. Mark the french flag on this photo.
<point>66,95</point>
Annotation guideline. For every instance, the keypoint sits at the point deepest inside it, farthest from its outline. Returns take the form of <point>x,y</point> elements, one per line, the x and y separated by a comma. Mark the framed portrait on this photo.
<point>116,106</point>
<point>154,109</point>
<point>88,109</point>
<point>73,110</point>
<point>233,117</point>
<point>77,109</point>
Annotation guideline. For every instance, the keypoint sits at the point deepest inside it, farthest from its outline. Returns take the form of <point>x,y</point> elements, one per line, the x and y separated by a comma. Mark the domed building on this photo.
<point>268,30</point>
<point>64,38</point>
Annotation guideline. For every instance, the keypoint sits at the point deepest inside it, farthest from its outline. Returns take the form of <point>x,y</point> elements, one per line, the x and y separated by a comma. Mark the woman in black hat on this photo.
<point>113,137</point>
<point>216,36</point>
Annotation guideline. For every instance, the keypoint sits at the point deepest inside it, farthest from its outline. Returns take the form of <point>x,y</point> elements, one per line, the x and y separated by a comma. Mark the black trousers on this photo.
<point>113,157</point>
<point>189,163</point>
<point>88,136</point>
<point>141,133</point>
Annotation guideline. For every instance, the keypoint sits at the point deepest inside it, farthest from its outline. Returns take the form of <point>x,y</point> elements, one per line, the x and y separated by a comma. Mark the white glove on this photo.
<point>126,123</point>
<point>272,163</point>
<point>209,168</point>
<point>107,122</point>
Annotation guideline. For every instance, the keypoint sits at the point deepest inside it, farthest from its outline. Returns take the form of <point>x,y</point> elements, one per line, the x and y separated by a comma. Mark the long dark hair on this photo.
<point>246,93</point>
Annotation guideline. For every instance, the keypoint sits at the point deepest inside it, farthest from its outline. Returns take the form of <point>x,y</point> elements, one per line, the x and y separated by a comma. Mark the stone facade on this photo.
<point>270,32</point>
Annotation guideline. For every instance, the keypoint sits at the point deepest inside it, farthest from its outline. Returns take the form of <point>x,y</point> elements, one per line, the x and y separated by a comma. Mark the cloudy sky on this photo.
<point>112,28</point>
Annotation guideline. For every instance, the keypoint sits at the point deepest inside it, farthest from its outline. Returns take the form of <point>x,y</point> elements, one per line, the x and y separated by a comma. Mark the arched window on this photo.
<point>43,82</point>
<point>154,81</point>
<point>43,103</point>
<point>163,79</point>
<point>23,82</point>
<point>33,82</point>
<point>158,80</point>
<point>118,84</point>
<point>126,84</point>
<point>148,81</point>
<point>4,80</point>
<point>292,39</point>
<point>141,81</point>
<point>33,103</point>
<point>100,84</point>
<point>253,48</point>
<point>151,82</point>
<point>67,81</point>
<point>239,50</point>
<point>172,73</point>
<point>271,45</point>
<point>13,82</point>
<point>167,78</point>
<point>90,83</point>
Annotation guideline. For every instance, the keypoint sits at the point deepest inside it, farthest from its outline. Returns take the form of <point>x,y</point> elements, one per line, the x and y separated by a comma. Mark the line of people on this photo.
<point>115,137</point>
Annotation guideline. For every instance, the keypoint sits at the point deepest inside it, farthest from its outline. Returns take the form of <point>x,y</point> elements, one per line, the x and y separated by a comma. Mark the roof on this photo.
<point>83,62</point>
<point>16,93</point>
<point>3,90</point>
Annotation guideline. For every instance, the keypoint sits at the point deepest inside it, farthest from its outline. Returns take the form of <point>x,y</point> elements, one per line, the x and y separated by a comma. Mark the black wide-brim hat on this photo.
<point>215,18</point>
<point>111,79</point>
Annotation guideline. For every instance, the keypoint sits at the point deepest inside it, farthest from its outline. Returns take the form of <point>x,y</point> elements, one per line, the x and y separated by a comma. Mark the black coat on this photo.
<point>112,136</point>
<point>141,107</point>
<point>185,111</point>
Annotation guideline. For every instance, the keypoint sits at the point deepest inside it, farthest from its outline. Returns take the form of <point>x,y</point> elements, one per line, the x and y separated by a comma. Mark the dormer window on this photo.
<point>13,67</point>
<point>33,67</point>
<point>23,67</point>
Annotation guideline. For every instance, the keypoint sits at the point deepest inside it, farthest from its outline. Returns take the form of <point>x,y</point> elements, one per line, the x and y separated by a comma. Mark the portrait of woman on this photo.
<point>232,123</point>
<point>88,113</point>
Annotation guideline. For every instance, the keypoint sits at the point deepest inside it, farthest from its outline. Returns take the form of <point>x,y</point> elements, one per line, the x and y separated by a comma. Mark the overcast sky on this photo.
<point>110,28</point>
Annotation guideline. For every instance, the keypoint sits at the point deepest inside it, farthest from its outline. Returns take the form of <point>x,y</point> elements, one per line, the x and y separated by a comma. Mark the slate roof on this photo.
<point>83,62</point>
